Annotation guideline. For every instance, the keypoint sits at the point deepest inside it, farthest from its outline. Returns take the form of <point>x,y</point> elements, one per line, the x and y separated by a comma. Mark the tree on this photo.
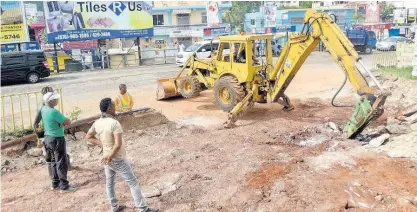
<point>306,4</point>
<point>358,18</point>
<point>385,11</point>
<point>236,15</point>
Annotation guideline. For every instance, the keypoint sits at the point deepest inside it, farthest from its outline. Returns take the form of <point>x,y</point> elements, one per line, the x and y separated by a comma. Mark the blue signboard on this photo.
<point>286,28</point>
<point>218,31</point>
<point>32,46</point>
<point>11,47</point>
<point>92,20</point>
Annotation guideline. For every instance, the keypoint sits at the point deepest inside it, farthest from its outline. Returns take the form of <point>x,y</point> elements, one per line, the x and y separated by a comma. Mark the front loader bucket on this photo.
<point>167,88</point>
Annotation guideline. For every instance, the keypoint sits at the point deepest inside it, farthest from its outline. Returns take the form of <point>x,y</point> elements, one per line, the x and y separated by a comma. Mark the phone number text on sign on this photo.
<point>13,34</point>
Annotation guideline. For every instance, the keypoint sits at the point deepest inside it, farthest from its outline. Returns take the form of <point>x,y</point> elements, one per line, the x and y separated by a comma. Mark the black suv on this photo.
<point>24,65</point>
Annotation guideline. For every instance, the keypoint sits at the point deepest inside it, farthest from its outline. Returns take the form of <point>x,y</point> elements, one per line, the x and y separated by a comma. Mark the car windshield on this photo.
<point>392,39</point>
<point>193,47</point>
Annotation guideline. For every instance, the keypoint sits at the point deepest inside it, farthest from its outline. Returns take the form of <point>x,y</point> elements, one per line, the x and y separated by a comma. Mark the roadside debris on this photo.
<point>410,110</point>
<point>333,126</point>
<point>376,142</point>
<point>35,152</point>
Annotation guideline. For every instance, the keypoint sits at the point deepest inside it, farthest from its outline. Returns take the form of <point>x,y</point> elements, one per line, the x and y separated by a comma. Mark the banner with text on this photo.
<point>13,24</point>
<point>72,21</point>
<point>217,31</point>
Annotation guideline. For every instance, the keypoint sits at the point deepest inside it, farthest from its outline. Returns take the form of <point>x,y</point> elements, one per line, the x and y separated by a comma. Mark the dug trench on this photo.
<point>273,161</point>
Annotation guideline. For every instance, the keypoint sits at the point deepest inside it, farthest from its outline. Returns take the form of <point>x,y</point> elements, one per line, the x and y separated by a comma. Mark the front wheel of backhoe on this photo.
<point>228,92</point>
<point>190,87</point>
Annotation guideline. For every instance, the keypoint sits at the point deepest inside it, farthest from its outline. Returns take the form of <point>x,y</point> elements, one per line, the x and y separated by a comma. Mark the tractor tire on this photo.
<point>228,92</point>
<point>190,87</point>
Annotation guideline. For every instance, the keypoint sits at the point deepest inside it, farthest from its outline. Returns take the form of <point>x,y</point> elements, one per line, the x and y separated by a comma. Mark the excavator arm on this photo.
<point>321,27</point>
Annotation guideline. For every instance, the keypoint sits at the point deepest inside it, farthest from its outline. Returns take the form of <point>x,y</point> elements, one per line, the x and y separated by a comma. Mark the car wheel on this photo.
<point>33,77</point>
<point>392,48</point>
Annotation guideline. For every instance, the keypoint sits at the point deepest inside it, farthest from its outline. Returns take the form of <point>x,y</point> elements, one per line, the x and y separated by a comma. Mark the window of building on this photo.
<point>204,17</point>
<point>252,22</point>
<point>158,20</point>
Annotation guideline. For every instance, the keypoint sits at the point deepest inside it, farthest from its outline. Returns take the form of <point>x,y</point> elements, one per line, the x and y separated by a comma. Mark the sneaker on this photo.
<point>68,189</point>
<point>120,208</point>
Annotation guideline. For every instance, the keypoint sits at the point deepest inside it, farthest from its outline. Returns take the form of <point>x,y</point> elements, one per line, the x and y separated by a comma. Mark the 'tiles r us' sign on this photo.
<point>116,7</point>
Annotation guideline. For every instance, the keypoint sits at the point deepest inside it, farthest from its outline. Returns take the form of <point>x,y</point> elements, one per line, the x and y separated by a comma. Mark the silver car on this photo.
<point>391,43</point>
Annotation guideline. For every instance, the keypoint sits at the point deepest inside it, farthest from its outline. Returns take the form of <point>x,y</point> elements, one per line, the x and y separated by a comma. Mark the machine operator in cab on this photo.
<point>123,101</point>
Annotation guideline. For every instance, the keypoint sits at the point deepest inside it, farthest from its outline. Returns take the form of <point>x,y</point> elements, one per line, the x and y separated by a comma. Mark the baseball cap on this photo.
<point>50,96</point>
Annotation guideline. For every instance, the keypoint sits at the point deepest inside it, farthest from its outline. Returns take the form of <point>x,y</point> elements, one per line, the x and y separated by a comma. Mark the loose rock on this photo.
<point>376,142</point>
<point>151,191</point>
<point>35,152</point>
<point>379,198</point>
<point>410,110</point>
<point>412,119</point>
<point>80,135</point>
<point>5,163</point>
<point>168,182</point>
<point>397,129</point>
<point>332,126</point>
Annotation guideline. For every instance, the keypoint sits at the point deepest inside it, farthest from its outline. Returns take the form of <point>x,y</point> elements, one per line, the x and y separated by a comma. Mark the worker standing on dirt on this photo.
<point>110,132</point>
<point>38,119</point>
<point>124,101</point>
<point>55,145</point>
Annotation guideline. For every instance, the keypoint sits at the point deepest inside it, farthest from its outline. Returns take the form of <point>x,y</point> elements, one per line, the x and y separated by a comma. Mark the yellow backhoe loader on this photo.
<point>240,76</point>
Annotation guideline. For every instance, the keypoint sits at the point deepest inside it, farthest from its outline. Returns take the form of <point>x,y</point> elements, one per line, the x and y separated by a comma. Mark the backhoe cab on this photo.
<point>240,74</point>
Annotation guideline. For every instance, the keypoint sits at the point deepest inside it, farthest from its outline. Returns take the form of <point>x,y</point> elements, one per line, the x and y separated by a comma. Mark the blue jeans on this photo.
<point>124,169</point>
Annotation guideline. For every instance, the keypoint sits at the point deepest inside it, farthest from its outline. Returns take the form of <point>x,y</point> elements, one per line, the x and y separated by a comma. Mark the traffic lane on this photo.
<point>145,75</point>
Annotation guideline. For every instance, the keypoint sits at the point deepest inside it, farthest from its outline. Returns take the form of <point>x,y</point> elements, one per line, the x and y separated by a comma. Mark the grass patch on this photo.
<point>404,72</point>
<point>17,133</point>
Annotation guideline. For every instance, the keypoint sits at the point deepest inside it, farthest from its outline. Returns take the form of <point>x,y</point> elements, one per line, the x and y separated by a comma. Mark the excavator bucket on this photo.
<point>365,112</point>
<point>167,88</point>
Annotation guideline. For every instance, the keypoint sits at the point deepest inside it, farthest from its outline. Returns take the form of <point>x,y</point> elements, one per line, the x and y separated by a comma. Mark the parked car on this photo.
<point>391,43</point>
<point>23,65</point>
<point>203,49</point>
<point>363,40</point>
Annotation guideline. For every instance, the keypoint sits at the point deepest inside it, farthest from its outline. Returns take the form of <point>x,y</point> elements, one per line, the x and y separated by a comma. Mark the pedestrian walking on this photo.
<point>54,142</point>
<point>109,133</point>
<point>124,101</point>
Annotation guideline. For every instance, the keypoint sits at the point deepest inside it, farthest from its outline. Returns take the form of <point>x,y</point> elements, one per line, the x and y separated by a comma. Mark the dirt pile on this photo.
<point>25,156</point>
<point>404,93</point>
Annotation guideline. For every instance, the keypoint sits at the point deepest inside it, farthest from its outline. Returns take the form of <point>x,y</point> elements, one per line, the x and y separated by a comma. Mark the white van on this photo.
<point>203,50</point>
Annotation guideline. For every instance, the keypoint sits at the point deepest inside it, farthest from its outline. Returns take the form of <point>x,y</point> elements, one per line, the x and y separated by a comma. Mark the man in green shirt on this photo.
<point>55,145</point>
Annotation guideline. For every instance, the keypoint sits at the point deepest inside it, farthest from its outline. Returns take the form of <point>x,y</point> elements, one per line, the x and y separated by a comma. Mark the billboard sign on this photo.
<point>72,21</point>
<point>285,28</point>
<point>217,31</point>
<point>399,16</point>
<point>13,22</point>
<point>372,13</point>
<point>212,8</point>
<point>270,11</point>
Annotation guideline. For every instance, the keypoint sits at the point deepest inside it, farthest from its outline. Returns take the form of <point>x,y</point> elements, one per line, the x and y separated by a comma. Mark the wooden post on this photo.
<point>139,54</point>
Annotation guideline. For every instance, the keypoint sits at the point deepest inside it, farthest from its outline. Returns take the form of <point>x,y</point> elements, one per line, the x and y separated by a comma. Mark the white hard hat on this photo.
<point>50,96</point>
